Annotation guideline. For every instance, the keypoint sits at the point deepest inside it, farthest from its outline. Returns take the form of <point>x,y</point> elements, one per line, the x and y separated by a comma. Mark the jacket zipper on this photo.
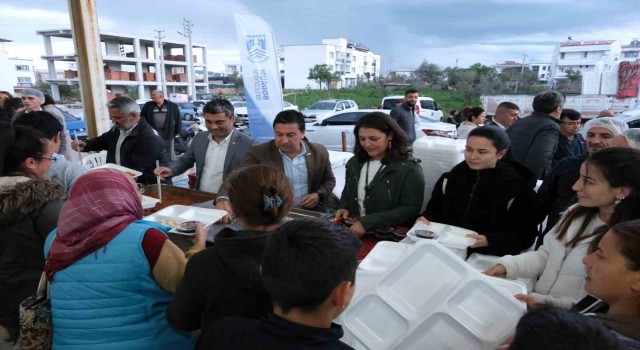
<point>473,189</point>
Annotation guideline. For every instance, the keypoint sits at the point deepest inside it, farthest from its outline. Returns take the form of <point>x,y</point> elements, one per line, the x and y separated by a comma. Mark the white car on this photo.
<point>319,110</point>
<point>328,132</point>
<point>427,108</point>
<point>288,106</point>
<point>240,108</point>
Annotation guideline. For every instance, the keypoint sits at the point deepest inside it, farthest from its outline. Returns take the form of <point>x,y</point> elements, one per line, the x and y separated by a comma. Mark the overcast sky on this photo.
<point>404,33</point>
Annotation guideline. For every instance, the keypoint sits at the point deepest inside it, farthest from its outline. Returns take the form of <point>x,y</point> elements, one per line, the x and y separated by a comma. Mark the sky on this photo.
<point>404,33</point>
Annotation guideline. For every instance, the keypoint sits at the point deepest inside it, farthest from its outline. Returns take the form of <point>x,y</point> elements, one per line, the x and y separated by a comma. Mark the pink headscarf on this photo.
<point>102,203</point>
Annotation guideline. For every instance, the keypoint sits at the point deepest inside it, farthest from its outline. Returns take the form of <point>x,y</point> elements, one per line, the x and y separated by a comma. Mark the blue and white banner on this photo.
<point>262,86</point>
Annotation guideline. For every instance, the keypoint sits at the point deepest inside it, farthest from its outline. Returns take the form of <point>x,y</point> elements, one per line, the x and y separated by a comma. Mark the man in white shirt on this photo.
<point>215,153</point>
<point>506,114</point>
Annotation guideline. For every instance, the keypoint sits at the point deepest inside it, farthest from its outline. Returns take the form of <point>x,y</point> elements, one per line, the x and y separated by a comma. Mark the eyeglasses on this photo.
<point>572,123</point>
<point>52,158</point>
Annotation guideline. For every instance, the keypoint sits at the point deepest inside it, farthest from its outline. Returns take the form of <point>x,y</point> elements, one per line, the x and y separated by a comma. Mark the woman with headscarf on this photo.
<point>112,274</point>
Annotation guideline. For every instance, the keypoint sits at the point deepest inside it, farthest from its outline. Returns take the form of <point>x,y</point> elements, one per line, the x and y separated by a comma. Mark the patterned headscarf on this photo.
<point>102,203</point>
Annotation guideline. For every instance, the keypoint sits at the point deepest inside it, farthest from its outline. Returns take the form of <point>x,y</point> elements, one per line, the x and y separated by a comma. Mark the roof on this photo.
<point>5,40</point>
<point>585,43</point>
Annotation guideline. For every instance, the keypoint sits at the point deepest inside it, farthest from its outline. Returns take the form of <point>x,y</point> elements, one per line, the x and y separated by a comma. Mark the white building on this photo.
<point>541,69</point>
<point>354,62</point>
<point>134,63</point>
<point>231,68</point>
<point>597,61</point>
<point>15,73</point>
<point>631,52</point>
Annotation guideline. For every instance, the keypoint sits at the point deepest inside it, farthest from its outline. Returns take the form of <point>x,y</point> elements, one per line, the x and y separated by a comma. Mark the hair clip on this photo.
<point>271,201</point>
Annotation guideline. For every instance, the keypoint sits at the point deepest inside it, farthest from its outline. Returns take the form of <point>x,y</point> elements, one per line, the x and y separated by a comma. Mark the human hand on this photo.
<point>497,270</point>
<point>78,145</point>
<point>163,172</point>
<point>310,201</point>
<point>423,220</point>
<point>357,228</point>
<point>225,205</point>
<point>342,214</point>
<point>481,241</point>
<point>200,238</point>
<point>532,302</point>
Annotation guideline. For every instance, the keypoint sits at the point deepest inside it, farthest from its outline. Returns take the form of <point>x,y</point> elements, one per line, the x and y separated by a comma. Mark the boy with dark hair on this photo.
<point>308,269</point>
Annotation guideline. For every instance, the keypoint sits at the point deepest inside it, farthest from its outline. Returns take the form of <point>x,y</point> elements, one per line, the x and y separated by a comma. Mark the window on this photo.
<point>585,54</point>
<point>631,54</point>
<point>634,123</point>
<point>331,55</point>
<point>562,55</point>
<point>344,119</point>
<point>354,59</point>
<point>544,67</point>
<point>353,70</point>
<point>427,104</point>
<point>22,67</point>
<point>24,80</point>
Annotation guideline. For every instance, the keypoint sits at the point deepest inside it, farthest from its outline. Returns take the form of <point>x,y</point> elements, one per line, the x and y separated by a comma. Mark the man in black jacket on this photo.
<point>534,138</point>
<point>405,114</point>
<point>131,142</point>
<point>164,116</point>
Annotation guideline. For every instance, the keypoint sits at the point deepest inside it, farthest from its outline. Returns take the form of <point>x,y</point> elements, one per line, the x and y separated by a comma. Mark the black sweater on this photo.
<point>499,203</point>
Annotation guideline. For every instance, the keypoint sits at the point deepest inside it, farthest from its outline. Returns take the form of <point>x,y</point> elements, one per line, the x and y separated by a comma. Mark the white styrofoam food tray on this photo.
<point>127,171</point>
<point>448,235</point>
<point>383,255</point>
<point>430,299</point>
<point>182,213</point>
<point>149,202</point>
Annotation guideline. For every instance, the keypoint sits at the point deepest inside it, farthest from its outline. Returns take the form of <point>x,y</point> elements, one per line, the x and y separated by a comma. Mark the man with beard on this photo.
<point>405,114</point>
<point>131,142</point>
<point>556,194</point>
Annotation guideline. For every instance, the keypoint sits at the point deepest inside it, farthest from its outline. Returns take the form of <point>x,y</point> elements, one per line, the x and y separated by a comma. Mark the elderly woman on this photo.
<point>112,274</point>
<point>384,185</point>
<point>29,208</point>
<point>224,280</point>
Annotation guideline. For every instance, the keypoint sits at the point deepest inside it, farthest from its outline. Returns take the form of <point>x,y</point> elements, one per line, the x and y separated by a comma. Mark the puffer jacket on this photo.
<point>29,210</point>
<point>560,268</point>
<point>534,140</point>
<point>497,203</point>
<point>397,193</point>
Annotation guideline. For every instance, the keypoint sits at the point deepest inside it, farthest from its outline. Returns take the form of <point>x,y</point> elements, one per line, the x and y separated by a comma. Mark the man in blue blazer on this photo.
<point>216,153</point>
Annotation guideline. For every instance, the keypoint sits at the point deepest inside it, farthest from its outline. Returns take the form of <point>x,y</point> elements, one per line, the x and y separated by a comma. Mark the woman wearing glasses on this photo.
<point>29,208</point>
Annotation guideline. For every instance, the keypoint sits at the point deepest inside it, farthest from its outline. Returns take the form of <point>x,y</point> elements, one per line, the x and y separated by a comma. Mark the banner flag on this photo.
<point>262,86</point>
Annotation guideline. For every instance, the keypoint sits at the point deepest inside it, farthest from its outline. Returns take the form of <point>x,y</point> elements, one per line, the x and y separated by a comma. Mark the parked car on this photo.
<point>74,124</point>
<point>187,110</point>
<point>288,106</point>
<point>319,110</point>
<point>199,106</point>
<point>427,107</point>
<point>240,108</point>
<point>328,132</point>
<point>631,117</point>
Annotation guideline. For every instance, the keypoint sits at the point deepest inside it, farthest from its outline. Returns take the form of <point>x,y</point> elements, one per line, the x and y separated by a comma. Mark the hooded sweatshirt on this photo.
<point>221,281</point>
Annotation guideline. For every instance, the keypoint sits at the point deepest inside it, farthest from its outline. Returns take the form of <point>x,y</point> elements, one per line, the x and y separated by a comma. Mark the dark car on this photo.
<point>187,110</point>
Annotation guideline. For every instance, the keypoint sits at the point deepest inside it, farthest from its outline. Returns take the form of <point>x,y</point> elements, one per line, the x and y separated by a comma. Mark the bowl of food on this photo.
<point>348,222</point>
<point>187,226</point>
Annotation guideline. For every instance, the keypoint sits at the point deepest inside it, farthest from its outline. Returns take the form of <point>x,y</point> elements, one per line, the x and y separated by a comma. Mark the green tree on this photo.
<point>237,80</point>
<point>429,74</point>
<point>320,73</point>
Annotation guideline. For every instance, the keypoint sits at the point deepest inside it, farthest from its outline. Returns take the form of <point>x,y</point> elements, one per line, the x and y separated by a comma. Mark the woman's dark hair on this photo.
<point>6,93</point>
<point>495,134</point>
<point>620,167</point>
<point>386,125</point>
<point>629,234</point>
<point>470,112</point>
<point>48,100</point>
<point>41,120</point>
<point>12,104</point>
<point>17,144</point>
<point>252,187</point>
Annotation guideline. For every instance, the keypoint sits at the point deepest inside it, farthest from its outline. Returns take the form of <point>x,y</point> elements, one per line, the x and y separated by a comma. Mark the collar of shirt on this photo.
<point>303,152</point>
<point>226,139</point>
<point>127,132</point>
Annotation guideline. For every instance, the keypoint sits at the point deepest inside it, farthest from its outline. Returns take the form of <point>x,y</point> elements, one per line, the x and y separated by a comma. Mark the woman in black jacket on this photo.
<point>489,195</point>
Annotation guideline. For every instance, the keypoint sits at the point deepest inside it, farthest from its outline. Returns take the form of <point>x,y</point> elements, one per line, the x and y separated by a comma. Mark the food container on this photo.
<point>125,170</point>
<point>450,236</point>
<point>176,214</point>
<point>149,202</point>
<point>430,299</point>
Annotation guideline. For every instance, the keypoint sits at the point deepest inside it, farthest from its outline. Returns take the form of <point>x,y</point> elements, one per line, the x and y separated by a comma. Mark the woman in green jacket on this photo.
<point>384,185</point>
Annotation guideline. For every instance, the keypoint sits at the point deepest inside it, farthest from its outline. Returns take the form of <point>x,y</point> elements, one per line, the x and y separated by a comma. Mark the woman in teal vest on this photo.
<point>112,274</point>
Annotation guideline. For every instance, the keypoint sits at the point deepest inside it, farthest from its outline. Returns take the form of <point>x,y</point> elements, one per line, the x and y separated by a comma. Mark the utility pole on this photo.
<point>163,80</point>
<point>187,28</point>
<point>524,57</point>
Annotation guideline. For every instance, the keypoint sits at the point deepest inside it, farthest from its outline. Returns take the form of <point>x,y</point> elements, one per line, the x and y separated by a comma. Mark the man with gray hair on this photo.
<point>534,138</point>
<point>164,116</point>
<point>556,192</point>
<point>215,153</point>
<point>131,142</point>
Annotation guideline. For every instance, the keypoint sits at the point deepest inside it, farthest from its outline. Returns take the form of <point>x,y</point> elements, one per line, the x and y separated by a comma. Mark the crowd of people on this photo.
<point>118,281</point>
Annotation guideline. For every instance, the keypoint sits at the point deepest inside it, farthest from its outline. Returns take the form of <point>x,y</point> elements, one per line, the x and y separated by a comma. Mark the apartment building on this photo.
<point>134,64</point>
<point>353,61</point>
<point>15,73</point>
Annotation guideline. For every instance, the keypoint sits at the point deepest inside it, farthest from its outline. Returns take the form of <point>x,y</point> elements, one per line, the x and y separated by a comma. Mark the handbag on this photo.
<point>36,326</point>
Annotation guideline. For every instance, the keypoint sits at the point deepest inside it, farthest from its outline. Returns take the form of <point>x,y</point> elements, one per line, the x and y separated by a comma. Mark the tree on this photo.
<point>237,80</point>
<point>429,74</point>
<point>320,73</point>
<point>67,92</point>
